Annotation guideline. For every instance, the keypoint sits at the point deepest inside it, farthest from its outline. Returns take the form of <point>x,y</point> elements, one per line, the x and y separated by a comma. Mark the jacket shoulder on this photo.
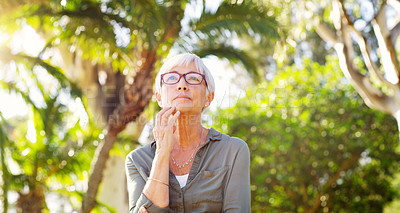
<point>141,153</point>
<point>233,142</point>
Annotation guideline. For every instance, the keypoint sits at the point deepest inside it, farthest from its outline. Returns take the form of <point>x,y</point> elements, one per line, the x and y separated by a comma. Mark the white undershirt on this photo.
<point>182,179</point>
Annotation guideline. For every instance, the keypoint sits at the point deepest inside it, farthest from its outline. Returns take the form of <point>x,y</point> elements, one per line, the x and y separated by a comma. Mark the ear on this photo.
<point>209,99</point>
<point>158,98</point>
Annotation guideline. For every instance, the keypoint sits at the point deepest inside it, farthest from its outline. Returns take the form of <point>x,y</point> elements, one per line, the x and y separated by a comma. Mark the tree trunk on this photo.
<point>135,98</point>
<point>33,202</point>
<point>112,194</point>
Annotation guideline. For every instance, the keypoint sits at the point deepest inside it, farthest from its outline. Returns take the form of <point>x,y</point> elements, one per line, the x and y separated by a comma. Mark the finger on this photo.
<point>160,115</point>
<point>169,111</point>
<point>155,134</point>
<point>142,210</point>
<point>172,119</point>
<point>166,116</point>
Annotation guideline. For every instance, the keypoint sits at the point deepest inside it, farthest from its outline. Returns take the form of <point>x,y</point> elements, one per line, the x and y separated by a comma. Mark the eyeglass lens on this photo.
<point>191,78</point>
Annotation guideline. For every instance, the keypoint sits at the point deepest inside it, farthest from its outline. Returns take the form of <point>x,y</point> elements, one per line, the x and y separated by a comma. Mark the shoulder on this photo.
<point>143,153</point>
<point>231,142</point>
<point>230,150</point>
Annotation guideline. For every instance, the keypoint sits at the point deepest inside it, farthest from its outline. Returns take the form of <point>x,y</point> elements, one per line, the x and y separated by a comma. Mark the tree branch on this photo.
<point>364,47</point>
<point>394,33</point>
<point>343,167</point>
<point>326,34</point>
<point>303,191</point>
<point>345,51</point>
<point>372,96</point>
<point>365,51</point>
<point>388,53</point>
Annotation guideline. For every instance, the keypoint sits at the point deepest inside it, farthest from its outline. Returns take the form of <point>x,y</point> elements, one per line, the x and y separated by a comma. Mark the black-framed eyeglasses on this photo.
<point>192,78</point>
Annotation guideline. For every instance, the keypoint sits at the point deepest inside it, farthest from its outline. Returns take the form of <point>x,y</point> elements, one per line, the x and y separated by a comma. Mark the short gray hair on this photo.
<point>185,59</point>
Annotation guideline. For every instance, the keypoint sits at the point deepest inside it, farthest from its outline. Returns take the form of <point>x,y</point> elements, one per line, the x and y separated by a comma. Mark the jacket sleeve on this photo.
<point>135,183</point>
<point>237,191</point>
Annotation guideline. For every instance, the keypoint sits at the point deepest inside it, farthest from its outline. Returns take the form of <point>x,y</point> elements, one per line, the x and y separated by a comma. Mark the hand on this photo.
<point>143,210</point>
<point>164,128</point>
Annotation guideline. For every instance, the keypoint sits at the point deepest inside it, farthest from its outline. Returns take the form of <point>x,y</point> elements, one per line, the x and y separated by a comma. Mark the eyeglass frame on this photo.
<point>184,77</point>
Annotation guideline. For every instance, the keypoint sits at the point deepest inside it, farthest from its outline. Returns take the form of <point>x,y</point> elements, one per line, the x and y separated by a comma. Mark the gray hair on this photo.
<point>185,59</point>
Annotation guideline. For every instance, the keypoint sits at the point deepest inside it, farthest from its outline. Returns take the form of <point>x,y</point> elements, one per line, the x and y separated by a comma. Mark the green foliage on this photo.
<point>5,173</point>
<point>51,147</point>
<point>314,145</point>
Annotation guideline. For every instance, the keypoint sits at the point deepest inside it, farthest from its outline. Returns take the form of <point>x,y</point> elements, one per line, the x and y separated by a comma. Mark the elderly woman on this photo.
<point>188,168</point>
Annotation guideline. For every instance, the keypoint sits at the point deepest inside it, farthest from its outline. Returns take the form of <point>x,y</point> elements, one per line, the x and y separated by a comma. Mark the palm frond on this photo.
<point>233,55</point>
<point>243,19</point>
<point>88,10</point>
<point>7,56</point>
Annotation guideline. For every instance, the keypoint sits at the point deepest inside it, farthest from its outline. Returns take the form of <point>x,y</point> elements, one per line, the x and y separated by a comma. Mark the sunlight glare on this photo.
<point>3,38</point>
<point>31,133</point>
<point>226,92</point>
<point>13,105</point>
<point>28,41</point>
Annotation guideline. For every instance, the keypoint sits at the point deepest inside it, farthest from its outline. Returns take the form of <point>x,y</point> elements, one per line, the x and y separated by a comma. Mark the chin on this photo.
<point>182,108</point>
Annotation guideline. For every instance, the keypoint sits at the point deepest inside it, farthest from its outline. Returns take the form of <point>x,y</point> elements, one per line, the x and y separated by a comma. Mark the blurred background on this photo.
<point>311,86</point>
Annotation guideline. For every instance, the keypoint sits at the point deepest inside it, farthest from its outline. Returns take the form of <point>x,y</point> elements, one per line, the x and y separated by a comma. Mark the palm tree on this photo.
<point>56,148</point>
<point>131,37</point>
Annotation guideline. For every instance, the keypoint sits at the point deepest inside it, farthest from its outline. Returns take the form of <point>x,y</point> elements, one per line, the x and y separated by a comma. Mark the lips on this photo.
<point>182,96</point>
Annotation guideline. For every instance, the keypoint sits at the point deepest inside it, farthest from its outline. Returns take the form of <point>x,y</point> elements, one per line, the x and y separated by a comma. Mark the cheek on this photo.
<point>200,98</point>
<point>166,96</point>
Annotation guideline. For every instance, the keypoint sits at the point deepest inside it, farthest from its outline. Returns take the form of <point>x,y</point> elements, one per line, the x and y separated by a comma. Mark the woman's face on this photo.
<point>185,97</point>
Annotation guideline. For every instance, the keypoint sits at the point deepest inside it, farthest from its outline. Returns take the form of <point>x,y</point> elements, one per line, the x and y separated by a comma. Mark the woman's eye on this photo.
<point>194,79</point>
<point>171,78</point>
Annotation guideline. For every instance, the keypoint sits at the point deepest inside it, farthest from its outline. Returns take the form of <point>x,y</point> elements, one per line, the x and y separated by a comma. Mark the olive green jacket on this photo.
<point>219,180</point>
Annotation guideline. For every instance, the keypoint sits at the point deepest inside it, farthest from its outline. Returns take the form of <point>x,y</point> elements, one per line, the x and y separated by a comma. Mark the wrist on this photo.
<point>162,153</point>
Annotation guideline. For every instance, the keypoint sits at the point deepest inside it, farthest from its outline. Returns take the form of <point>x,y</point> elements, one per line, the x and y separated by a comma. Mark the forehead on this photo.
<point>185,68</point>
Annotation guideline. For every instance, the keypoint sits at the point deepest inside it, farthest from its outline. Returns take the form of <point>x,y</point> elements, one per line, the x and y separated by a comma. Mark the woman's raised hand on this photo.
<point>143,210</point>
<point>164,128</point>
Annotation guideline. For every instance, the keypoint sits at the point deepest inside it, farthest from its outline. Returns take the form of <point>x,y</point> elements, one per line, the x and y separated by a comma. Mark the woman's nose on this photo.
<point>182,85</point>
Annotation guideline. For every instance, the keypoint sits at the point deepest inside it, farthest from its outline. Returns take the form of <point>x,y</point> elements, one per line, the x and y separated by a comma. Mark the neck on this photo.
<point>188,131</point>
